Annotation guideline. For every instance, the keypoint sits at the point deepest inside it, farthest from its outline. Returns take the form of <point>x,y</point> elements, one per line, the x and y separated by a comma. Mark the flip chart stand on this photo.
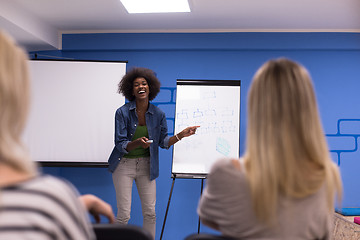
<point>174,176</point>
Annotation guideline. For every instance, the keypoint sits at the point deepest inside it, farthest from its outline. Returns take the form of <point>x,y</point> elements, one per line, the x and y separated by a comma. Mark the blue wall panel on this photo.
<point>333,60</point>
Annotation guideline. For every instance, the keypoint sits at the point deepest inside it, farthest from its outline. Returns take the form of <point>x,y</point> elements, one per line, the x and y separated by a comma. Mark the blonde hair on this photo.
<point>286,153</point>
<point>14,105</point>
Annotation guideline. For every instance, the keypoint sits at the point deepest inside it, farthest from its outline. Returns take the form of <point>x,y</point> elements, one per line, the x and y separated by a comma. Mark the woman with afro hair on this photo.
<point>140,129</point>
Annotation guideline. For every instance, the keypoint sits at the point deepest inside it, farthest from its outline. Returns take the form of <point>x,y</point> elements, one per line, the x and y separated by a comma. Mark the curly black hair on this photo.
<point>125,86</point>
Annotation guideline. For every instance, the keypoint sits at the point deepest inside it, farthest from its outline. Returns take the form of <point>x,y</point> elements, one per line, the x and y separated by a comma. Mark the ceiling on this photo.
<point>38,24</point>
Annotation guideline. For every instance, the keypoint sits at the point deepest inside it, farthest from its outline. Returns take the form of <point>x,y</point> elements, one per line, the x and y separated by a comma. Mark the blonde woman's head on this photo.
<point>282,109</point>
<point>14,105</point>
<point>286,151</point>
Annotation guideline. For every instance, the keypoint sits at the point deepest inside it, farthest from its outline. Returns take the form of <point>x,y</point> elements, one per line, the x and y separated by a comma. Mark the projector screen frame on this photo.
<point>98,164</point>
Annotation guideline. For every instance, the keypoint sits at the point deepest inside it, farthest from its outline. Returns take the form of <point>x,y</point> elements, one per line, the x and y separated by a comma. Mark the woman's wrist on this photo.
<point>177,137</point>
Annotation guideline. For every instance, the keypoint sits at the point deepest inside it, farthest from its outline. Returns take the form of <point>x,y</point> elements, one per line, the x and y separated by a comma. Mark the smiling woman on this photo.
<point>140,129</point>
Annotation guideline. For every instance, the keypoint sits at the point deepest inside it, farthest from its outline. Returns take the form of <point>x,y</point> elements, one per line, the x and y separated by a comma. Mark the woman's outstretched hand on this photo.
<point>188,132</point>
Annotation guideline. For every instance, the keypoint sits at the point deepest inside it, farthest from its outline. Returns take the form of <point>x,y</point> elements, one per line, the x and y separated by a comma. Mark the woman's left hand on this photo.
<point>188,131</point>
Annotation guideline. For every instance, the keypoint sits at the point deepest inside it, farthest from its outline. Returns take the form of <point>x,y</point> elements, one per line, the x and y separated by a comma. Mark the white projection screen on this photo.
<point>73,104</point>
<point>214,105</point>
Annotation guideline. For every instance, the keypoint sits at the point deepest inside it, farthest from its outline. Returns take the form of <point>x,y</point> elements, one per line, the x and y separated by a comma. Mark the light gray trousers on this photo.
<point>128,170</point>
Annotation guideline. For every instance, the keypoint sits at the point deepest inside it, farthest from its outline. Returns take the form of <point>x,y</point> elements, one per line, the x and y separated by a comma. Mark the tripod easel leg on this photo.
<point>167,208</point>
<point>202,186</point>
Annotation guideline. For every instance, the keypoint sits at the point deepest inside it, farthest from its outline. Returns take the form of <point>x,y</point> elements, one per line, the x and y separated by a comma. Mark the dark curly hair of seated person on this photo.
<point>125,86</point>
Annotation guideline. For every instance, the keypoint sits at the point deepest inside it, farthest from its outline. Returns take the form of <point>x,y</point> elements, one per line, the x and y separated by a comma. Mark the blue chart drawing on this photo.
<point>198,114</point>
<point>222,146</point>
<point>182,115</point>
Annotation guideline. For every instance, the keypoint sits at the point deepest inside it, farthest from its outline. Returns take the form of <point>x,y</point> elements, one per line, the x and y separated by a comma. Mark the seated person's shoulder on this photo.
<point>226,165</point>
<point>236,163</point>
<point>57,187</point>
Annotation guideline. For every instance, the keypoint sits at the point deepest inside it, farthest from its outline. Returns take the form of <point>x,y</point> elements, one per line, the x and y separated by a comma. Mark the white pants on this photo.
<point>128,170</point>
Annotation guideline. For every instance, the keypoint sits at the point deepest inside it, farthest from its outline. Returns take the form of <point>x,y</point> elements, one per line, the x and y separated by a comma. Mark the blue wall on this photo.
<point>333,59</point>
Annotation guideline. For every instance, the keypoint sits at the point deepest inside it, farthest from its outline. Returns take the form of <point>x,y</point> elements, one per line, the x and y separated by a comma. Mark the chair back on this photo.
<point>206,236</point>
<point>120,232</point>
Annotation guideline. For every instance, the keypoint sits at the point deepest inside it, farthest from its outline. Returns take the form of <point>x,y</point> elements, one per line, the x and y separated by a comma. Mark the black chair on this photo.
<point>207,236</point>
<point>120,232</point>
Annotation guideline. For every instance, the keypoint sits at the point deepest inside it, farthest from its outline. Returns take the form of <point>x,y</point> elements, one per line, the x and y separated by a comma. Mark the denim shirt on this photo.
<point>126,121</point>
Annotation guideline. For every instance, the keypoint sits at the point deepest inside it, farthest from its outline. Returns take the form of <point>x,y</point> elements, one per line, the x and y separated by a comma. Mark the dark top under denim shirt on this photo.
<point>126,121</point>
<point>139,151</point>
